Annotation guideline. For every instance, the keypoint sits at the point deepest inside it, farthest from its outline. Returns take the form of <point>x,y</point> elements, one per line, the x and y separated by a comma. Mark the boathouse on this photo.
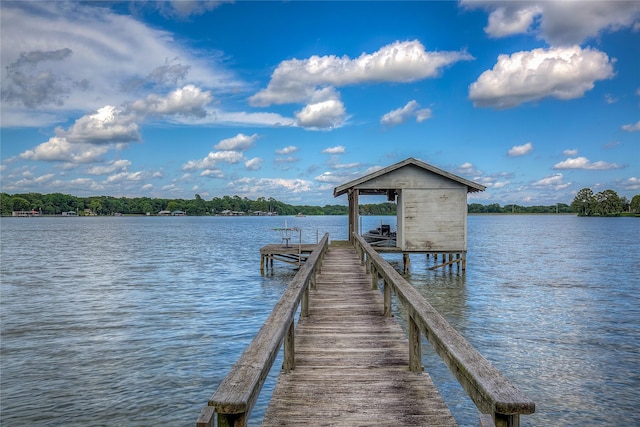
<point>431,206</point>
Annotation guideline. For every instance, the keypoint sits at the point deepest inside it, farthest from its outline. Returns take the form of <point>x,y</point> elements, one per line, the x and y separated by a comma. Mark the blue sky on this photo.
<point>535,100</point>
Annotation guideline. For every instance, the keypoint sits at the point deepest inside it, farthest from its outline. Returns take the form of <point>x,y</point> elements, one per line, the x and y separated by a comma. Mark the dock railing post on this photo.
<point>289,362</point>
<point>415,350</point>
<point>387,299</point>
<point>304,309</point>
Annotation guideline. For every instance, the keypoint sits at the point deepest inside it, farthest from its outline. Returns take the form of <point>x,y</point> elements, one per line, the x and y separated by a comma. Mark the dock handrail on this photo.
<point>487,387</point>
<point>237,393</point>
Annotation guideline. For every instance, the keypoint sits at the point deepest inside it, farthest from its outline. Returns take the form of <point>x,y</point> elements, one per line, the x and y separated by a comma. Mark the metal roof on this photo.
<point>472,187</point>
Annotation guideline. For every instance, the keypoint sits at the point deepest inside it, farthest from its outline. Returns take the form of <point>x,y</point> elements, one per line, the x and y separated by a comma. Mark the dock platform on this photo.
<point>352,364</point>
<point>294,253</point>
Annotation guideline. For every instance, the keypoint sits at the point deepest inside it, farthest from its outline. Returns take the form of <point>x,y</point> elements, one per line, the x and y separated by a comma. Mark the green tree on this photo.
<point>635,204</point>
<point>608,203</point>
<point>584,202</point>
<point>21,204</point>
<point>173,205</point>
<point>6,204</point>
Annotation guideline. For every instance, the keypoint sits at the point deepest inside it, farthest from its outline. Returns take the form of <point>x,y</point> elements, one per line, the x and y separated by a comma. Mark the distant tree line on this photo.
<point>604,203</point>
<point>512,208</point>
<point>585,203</point>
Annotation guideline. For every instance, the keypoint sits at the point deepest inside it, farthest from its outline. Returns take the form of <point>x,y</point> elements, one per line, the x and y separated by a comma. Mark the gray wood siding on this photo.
<point>410,176</point>
<point>434,219</point>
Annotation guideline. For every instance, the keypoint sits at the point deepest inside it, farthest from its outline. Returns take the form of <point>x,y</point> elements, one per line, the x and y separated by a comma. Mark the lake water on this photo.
<point>135,321</point>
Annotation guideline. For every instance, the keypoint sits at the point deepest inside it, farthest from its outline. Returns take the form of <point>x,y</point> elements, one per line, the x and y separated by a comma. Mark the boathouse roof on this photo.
<point>472,187</point>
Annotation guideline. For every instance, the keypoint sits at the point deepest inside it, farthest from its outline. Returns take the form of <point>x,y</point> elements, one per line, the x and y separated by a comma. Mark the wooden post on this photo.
<point>464,261</point>
<point>304,310</point>
<point>415,356</point>
<point>450,259</point>
<point>406,262</point>
<point>261,263</point>
<point>387,299</point>
<point>289,349</point>
<point>232,420</point>
<point>374,277</point>
<point>502,420</point>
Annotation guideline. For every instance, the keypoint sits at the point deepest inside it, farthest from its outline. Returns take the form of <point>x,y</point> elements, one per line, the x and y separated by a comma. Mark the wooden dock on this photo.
<point>347,361</point>
<point>352,363</point>
<point>295,253</point>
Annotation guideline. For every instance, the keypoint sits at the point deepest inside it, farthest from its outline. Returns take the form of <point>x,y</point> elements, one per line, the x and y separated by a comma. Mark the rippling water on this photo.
<point>131,321</point>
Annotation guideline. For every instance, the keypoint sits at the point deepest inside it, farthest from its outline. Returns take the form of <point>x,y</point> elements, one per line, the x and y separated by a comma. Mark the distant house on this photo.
<point>164,213</point>
<point>70,213</point>
<point>26,213</point>
<point>178,213</point>
<point>228,212</point>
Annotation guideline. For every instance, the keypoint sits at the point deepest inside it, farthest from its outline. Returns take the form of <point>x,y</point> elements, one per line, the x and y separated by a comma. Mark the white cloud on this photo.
<point>212,159</point>
<point>89,138</point>
<point>572,152</point>
<point>110,167</point>
<point>289,159</point>
<point>287,150</point>
<point>188,101</point>
<point>264,186</point>
<point>327,114</point>
<point>632,127</point>
<point>62,60</point>
<point>520,150</point>
<point>632,183</point>
<point>108,125</point>
<point>59,149</point>
<point>562,73</point>
<point>584,163</point>
<point>338,149</point>
<point>240,142</point>
<point>558,22</point>
<point>405,113</point>
<point>214,173</point>
<point>253,164</point>
<point>555,182</point>
<point>124,176</point>
<point>335,178</point>
<point>295,80</point>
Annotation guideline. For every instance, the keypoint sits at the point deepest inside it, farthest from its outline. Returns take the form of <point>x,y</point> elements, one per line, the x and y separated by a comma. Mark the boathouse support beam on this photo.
<point>487,387</point>
<point>237,393</point>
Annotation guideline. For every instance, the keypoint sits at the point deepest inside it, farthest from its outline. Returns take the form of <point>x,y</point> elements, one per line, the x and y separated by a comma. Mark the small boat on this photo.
<point>381,236</point>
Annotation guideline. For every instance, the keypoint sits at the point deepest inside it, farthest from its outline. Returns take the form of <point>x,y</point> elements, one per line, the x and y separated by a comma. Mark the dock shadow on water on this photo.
<point>131,321</point>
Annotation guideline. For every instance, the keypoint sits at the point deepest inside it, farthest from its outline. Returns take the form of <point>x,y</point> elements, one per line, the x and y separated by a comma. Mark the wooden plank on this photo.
<point>352,363</point>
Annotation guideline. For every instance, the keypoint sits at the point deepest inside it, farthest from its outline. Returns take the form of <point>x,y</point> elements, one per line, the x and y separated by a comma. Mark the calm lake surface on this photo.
<point>135,321</point>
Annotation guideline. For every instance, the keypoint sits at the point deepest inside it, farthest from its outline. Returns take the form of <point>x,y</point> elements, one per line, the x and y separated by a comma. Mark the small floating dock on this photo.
<point>296,254</point>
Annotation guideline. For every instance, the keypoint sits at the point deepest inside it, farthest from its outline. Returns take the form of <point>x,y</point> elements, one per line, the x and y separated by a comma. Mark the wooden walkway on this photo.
<point>352,363</point>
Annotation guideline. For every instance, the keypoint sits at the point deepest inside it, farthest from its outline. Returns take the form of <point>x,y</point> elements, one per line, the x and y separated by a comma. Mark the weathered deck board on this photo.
<point>352,363</point>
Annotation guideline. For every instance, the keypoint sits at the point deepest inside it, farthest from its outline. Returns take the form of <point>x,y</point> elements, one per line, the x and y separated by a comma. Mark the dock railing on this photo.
<point>237,393</point>
<point>496,398</point>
